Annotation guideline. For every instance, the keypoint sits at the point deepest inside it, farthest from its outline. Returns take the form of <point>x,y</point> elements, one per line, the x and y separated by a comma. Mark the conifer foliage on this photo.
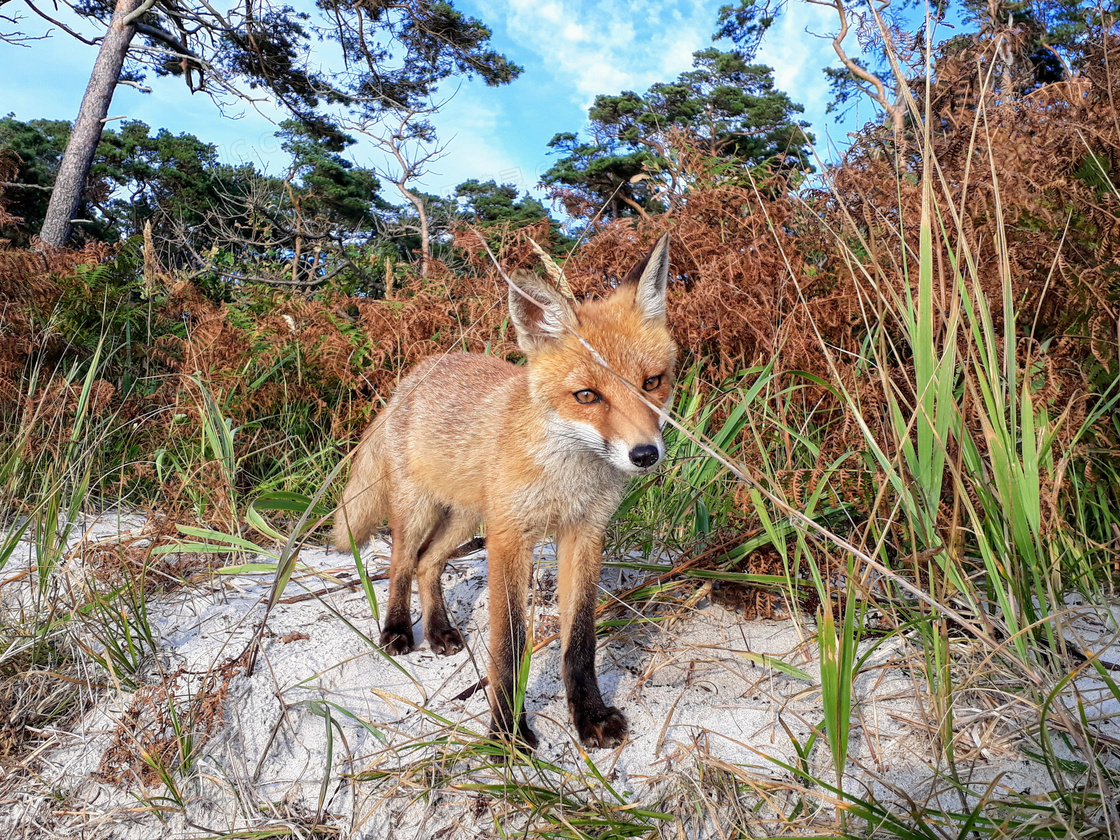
<point>396,53</point>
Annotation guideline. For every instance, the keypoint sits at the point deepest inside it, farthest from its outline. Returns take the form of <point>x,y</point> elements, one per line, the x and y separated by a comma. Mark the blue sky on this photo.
<point>571,50</point>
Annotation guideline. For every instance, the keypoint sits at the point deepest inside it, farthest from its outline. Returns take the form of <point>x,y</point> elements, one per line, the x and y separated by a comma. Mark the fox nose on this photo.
<point>645,455</point>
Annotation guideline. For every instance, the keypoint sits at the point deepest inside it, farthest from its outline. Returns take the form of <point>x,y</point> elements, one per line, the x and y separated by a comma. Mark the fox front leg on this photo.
<point>510,561</point>
<point>581,558</point>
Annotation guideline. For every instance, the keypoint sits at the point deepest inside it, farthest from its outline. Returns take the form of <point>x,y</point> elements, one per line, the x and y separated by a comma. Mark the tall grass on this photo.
<point>974,503</point>
<point>75,611</point>
<point>980,503</point>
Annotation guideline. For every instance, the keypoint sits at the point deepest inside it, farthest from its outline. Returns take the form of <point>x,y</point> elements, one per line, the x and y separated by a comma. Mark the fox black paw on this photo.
<point>395,641</point>
<point>445,641</point>
<point>602,729</point>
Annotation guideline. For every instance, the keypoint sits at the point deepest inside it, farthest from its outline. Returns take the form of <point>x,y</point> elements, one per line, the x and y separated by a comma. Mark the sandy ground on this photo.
<point>328,730</point>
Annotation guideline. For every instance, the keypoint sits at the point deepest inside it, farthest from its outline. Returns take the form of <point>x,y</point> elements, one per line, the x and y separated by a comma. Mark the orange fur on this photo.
<point>536,450</point>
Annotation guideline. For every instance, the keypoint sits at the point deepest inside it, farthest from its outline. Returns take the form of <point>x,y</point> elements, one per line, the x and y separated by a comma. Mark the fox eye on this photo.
<point>587,396</point>
<point>652,384</point>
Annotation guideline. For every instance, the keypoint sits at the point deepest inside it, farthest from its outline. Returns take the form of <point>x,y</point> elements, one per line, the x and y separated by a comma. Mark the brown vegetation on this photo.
<point>757,276</point>
<point>166,724</point>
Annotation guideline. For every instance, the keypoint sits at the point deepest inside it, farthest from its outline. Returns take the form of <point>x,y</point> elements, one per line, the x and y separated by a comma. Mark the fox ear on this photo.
<point>651,276</point>
<point>540,315</point>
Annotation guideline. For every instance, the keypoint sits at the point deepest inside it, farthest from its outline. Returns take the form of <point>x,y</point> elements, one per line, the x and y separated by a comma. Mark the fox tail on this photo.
<point>365,501</point>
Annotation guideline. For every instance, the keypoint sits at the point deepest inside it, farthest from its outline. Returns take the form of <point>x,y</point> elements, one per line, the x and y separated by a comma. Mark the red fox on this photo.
<point>541,449</point>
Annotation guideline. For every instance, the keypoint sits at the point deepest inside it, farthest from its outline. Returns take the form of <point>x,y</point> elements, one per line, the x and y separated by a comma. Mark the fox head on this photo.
<point>589,361</point>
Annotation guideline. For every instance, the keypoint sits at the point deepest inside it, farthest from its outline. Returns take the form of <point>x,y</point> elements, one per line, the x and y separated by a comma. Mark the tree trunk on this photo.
<point>78,158</point>
<point>425,239</point>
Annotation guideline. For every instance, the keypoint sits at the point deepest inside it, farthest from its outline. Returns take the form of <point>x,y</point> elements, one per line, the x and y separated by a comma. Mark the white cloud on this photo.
<point>574,33</point>
<point>475,135</point>
<point>797,49</point>
<point>593,48</point>
<point>476,147</point>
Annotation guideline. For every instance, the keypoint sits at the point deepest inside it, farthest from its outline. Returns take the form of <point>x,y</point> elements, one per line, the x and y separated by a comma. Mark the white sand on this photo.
<point>697,706</point>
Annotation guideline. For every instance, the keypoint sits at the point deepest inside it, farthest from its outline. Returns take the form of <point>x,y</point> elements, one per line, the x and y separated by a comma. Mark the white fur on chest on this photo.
<point>579,484</point>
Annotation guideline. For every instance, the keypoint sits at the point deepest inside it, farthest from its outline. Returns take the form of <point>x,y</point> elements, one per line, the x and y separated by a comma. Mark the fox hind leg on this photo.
<point>410,533</point>
<point>453,529</point>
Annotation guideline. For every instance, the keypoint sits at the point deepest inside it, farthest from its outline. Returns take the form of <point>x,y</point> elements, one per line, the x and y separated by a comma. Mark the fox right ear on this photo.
<point>650,277</point>
<point>540,313</point>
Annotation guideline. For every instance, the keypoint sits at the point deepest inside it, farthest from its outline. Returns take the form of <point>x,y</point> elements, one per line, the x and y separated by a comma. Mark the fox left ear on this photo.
<point>651,276</point>
<point>541,314</point>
